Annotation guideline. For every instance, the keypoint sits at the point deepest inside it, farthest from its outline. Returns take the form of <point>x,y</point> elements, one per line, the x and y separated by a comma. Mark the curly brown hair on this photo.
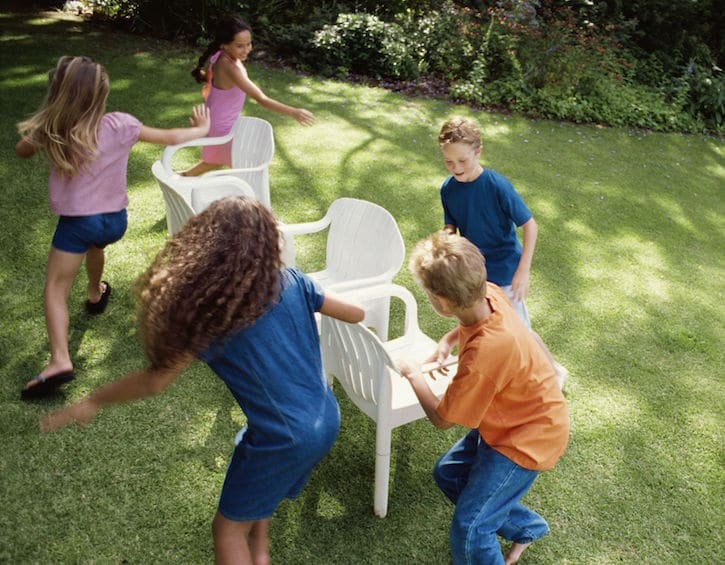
<point>215,276</point>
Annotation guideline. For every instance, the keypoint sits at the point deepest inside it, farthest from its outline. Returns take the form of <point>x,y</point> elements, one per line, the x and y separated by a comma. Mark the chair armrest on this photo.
<point>306,228</point>
<point>382,291</point>
<point>169,151</point>
<point>233,172</point>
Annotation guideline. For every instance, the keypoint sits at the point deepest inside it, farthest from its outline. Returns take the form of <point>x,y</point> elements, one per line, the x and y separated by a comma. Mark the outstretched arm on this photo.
<point>199,128</point>
<point>134,386</point>
<point>239,75</point>
<point>337,307</point>
<point>520,281</point>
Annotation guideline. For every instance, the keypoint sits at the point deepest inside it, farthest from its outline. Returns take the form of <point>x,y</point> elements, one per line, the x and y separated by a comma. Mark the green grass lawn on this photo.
<point>627,290</point>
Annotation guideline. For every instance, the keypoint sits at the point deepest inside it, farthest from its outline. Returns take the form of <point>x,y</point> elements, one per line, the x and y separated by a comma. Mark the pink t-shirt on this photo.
<point>100,186</point>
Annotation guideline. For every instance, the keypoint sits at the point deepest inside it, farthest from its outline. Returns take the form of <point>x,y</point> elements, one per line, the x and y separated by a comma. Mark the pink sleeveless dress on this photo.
<point>225,107</point>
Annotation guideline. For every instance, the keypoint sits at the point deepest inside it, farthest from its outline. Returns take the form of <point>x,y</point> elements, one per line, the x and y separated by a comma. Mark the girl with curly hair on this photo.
<point>217,291</point>
<point>88,150</point>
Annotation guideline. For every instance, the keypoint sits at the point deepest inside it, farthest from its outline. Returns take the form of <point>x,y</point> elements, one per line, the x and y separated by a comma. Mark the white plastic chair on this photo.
<point>252,151</point>
<point>365,366</point>
<point>364,248</point>
<point>185,197</point>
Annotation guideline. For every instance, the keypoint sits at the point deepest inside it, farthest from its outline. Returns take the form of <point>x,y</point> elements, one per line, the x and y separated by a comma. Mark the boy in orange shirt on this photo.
<point>505,390</point>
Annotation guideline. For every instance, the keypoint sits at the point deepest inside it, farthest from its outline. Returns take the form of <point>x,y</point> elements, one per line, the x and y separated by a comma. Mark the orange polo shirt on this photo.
<point>506,388</point>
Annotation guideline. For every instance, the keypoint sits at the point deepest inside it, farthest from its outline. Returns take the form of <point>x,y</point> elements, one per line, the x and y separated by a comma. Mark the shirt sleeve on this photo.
<point>127,128</point>
<point>511,202</point>
<point>313,291</point>
<point>470,393</point>
<point>448,219</point>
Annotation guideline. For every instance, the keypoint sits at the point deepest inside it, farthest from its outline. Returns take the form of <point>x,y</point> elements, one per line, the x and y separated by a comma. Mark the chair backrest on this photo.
<point>204,191</point>
<point>252,143</point>
<point>177,198</point>
<point>358,360</point>
<point>363,240</point>
<point>187,196</point>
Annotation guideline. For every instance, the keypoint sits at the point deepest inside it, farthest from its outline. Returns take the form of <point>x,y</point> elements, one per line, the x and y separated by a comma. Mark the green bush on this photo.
<point>444,41</point>
<point>364,44</point>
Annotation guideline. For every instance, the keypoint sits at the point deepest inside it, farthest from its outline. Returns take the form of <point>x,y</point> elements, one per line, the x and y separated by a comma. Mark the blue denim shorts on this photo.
<point>75,234</point>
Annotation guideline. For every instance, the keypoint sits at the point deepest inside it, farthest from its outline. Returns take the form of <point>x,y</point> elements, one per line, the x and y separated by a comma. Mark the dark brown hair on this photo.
<point>225,32</point>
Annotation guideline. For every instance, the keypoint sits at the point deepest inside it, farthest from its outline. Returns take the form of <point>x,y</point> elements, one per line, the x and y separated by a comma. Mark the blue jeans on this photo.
<point>486,488</point>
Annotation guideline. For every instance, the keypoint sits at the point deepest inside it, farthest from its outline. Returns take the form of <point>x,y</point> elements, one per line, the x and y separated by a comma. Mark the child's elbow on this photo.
<point>357,314</point>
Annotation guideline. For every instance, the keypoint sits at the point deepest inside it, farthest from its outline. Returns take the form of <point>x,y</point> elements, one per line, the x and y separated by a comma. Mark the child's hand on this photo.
<point>200,117</point>
<point>441,353</point>
<point>304,117</point>
<point>80,413</point>
<point>408,369</point>
<point>520,284</point>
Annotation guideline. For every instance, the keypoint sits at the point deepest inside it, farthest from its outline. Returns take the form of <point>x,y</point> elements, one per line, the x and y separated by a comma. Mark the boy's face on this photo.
<point>461,160</point>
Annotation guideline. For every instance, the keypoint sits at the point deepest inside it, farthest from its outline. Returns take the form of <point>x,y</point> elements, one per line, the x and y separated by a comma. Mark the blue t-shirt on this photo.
<point>274,370</point>
<point>486,212</point>
<point>274,367</point>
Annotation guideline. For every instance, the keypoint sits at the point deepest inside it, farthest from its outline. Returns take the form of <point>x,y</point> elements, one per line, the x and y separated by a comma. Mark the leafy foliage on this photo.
<point>646,63</point>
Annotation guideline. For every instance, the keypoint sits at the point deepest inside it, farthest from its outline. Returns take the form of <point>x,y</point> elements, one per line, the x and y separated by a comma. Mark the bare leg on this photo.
<point>514,553</point>
<point>231,541</point>
<point>60,272</point>
<point>95,261</point>
<point>259,542</point>
<point>199,169</point>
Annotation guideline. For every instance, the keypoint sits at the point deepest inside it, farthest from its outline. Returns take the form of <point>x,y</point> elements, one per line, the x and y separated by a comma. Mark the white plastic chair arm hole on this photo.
<point>380,291</point>
<point>307,227</point>
<point>169,151</point>
<point>432,366</point>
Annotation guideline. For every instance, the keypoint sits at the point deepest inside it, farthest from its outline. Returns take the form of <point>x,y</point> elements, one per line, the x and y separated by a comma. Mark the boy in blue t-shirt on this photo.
<point>485,208</point>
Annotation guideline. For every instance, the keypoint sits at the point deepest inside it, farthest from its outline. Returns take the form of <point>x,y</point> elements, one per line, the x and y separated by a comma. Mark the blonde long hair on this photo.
<point>66,125</point>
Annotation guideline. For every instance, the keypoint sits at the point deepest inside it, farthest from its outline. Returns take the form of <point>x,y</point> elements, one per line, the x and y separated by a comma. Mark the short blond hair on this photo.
<point>450,266</point>
<point>460,130</point>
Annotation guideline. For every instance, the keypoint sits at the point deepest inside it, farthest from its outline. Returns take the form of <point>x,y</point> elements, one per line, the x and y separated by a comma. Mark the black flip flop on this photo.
<point>100,306</point>
<point>46,385</point>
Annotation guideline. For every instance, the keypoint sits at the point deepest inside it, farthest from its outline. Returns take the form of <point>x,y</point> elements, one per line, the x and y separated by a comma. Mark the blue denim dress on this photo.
<point>274,370</point>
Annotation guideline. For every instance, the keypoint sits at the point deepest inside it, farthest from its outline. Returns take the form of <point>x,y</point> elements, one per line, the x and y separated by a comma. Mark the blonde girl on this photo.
<point>88,150</point>
<point>221,68</point>
<point>217,291</point>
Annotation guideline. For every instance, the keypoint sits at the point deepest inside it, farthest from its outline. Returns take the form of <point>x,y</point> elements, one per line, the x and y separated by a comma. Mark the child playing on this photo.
<point>217,291</point>
<point>221,67</point>
<point>88,151</point>
<point>486,209</point>
<point>505,390</point>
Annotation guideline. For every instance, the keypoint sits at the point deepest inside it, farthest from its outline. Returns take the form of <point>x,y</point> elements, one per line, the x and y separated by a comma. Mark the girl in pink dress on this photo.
<point>227,85</point>
<point>88,150</point>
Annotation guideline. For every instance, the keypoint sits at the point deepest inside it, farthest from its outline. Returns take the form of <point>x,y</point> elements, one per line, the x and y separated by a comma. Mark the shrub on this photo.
<point>364,44</point>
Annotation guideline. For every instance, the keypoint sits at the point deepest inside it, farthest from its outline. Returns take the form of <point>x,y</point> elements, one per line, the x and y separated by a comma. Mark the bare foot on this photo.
<point>514,553</point>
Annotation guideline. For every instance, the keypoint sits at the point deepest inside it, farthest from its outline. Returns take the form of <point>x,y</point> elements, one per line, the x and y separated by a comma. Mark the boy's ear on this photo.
<point>444,303</point>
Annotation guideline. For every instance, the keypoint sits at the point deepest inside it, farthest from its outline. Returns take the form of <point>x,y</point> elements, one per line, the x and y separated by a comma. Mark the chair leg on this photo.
<point>382,470</point>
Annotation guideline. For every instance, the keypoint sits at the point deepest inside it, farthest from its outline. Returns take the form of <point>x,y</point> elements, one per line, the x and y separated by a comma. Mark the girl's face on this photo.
<point>461,160</point>
<point>240,46</point>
